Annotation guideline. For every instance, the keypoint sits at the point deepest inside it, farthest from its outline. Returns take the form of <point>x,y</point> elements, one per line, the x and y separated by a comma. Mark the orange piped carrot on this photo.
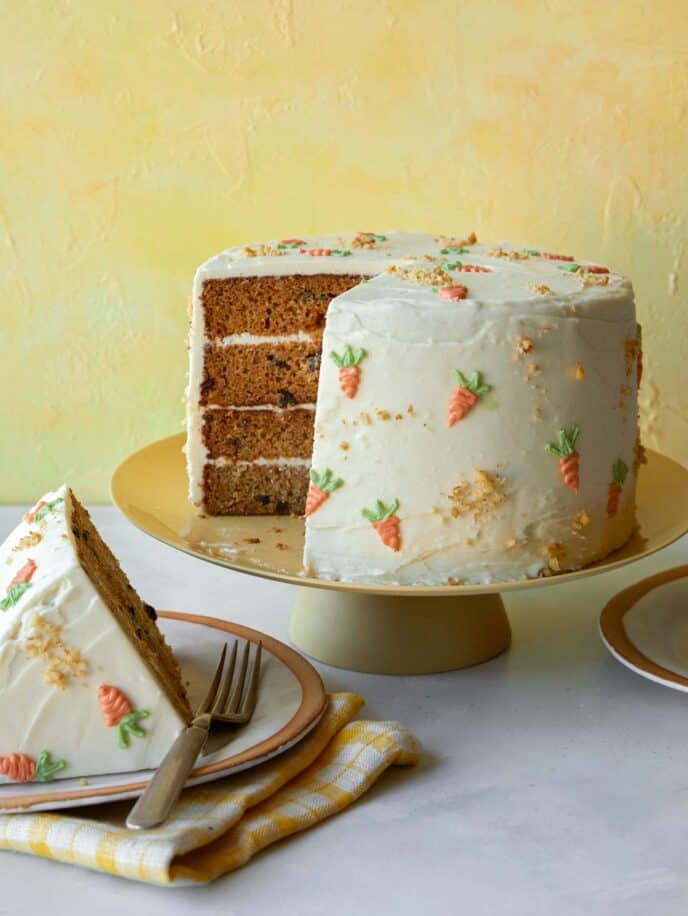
<point>290,243</point>
<point>453,293</point>
<point>319,489</point>
<point>349,370</point>
<point>550,256</point>
<point>569,459</point>
<point>22,768</point>
<point>18,767</point>
<point>316,252</point>
<point>113,704</point>
<point>596,269</point>
<point>474,269</point>
<point>23,575</point>
<point>30,516</point>
<point>386,522</point>
<point>619,473</point>
<point>464,398</point>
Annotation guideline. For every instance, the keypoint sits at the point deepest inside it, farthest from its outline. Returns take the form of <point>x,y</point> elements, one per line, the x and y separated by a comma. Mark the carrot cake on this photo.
<point>88,684</point>
<point>441,410</point>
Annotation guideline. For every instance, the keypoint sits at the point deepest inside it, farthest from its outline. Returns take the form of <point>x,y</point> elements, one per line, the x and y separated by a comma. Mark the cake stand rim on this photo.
<point>606,564</point>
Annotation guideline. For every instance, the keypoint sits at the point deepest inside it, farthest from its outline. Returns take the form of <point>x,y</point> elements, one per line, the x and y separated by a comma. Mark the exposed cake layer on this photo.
<point>136,618</point>
<point>243,435</point>
<point>255,488</point>
<point>270,305</point>
<point>281,374</point>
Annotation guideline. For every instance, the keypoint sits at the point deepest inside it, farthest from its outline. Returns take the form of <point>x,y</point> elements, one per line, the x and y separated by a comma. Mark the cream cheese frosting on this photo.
<point>59,644</point>
<point>554,343</point>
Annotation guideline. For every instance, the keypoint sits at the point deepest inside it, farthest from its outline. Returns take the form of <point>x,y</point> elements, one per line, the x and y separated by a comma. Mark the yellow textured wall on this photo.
<point>138,138</point>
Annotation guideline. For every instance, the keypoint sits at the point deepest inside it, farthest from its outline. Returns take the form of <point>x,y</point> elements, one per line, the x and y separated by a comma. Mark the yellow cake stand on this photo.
<point>383,629</point>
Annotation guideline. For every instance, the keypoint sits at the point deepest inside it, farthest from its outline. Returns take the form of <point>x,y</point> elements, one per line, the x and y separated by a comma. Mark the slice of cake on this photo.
<point>475,415</point>
<point>88,684</point>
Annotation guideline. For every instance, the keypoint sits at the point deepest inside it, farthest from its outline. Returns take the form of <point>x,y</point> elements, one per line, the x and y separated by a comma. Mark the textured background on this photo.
<point>137,139</point>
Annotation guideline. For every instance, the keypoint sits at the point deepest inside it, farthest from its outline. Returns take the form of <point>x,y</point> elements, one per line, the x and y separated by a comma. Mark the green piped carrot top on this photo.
<point>350,357</point>
<point>473,383</point>
<point>323,481</point>
<point>566,443</point>
<point>619,472</point>
<point>381,512</point>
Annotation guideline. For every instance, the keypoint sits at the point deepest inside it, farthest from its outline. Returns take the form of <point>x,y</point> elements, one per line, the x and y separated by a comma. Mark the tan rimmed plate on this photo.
<point>646,627</point>
<point>150,488</point>
<point>291,701</point>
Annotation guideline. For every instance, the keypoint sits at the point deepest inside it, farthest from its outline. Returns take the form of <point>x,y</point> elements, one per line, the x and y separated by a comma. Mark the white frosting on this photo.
<point>242,340</point>
<point>37,715</point>
<point>223,461</point>
<point>415,340</point>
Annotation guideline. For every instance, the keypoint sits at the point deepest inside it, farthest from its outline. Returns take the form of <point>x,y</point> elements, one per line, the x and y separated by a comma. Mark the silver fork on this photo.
<point>219,706</point>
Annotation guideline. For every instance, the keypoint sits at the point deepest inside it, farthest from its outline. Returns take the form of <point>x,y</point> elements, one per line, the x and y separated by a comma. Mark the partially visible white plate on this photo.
<point>646,628</point>
<point>291,701</point>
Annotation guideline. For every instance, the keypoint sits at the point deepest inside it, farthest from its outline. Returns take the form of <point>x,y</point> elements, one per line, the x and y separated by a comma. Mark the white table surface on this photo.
<point>553,780</point>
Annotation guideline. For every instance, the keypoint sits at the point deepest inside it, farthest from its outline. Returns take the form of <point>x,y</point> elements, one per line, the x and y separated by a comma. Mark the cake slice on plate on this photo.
<point>88,684</point>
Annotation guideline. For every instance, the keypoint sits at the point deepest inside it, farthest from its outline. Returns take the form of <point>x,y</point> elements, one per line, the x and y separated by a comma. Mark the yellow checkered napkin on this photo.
<point>219,826</point>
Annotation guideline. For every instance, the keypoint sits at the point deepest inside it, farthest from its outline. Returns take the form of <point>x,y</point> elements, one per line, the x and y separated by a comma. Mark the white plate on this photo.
<point>646,628</point>
<point>291,701</point>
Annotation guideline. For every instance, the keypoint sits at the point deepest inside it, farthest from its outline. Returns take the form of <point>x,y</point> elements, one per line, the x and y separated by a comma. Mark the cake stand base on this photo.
<point>388,634</point>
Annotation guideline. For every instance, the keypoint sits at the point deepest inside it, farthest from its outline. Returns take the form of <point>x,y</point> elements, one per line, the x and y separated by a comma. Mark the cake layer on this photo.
<point>255,489</point>
<point>136,618</point>
<point>282,374</point>
<point>268,305</point>
<point>242,435</point>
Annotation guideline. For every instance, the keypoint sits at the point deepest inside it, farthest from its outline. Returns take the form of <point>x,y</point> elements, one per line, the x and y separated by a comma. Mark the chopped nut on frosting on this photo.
<point>524,345</point>
<point>578,372</point>
<point>555,554</point>
<point>479,498</point>
<point>582,520</point>
<point>540,288</point>
<point>63,664</point>
<point>421,276</point>
<point>29,540</point>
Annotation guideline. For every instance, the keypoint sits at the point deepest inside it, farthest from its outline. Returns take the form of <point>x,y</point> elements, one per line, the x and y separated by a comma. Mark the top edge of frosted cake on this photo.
<point>438,268</point>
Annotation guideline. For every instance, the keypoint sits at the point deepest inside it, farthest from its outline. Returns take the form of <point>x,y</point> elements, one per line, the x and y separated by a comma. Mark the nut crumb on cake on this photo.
<point>582,520</point>
<point>554,552</point>
<point>479,498</point>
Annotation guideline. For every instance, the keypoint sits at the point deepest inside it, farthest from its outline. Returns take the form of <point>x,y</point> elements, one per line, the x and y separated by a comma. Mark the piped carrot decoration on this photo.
<point>569,459</point>
<point>118,711</point>
<point>453,293</point>
<point>319,489</point>
<point>463,399</point>
<point>22,768</point>
<point>18,585</point>
<point>349,369</point>
<point>619,472</point>
<point>550,256</point>
<point>386,522</point>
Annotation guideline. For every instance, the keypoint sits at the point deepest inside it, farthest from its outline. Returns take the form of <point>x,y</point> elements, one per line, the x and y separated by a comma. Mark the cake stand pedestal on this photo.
<point>388,634</point>
<point>379,629</point>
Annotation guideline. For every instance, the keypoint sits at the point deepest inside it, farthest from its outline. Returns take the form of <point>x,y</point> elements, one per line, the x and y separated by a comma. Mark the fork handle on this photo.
<point>162,792</point>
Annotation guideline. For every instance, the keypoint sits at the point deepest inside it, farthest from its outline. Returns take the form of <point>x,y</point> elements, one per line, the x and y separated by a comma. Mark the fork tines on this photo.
<point>230,698</point>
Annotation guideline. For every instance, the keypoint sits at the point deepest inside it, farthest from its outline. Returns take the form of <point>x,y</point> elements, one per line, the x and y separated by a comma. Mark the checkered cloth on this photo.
<point>219,826</point>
